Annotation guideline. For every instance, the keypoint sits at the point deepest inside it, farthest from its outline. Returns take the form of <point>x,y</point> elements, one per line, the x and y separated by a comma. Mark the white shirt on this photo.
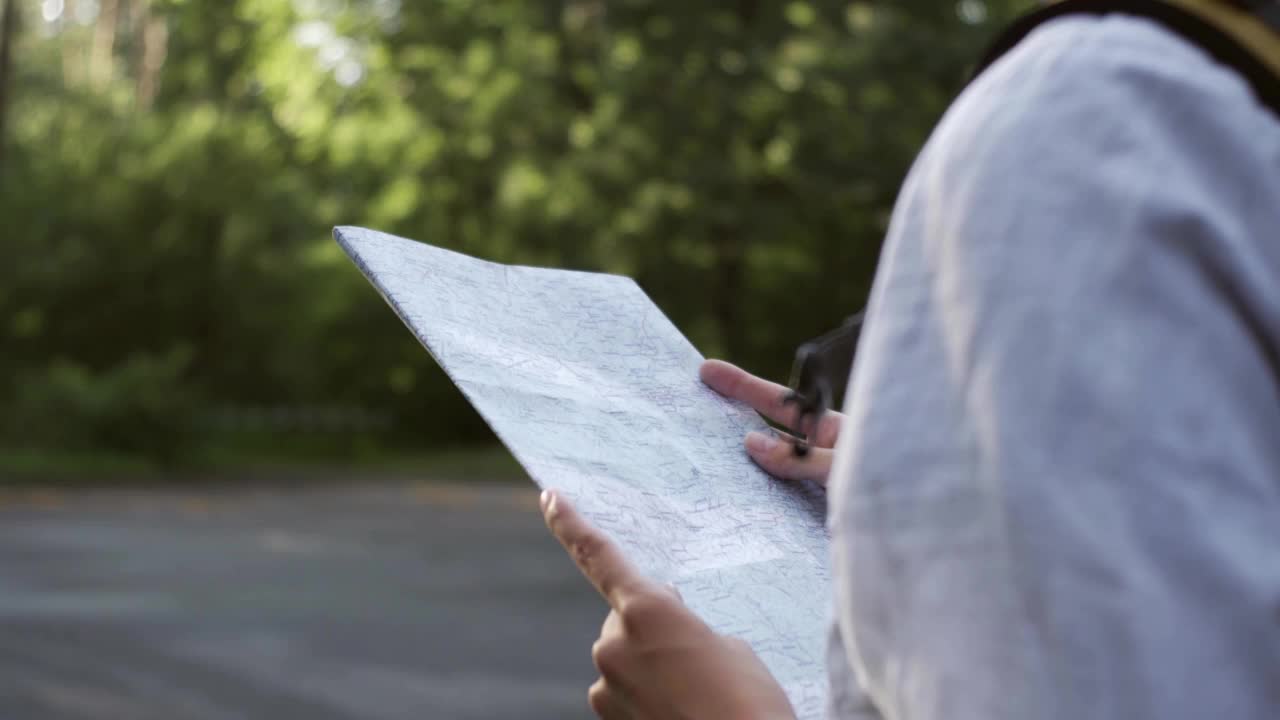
<point>1058,491</point>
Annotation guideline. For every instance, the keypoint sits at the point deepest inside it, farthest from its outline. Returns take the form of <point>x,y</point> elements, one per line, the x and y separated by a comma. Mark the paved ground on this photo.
<point>369,603</point>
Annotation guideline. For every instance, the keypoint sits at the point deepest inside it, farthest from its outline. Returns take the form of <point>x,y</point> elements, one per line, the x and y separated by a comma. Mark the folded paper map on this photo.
<point>597,395</point>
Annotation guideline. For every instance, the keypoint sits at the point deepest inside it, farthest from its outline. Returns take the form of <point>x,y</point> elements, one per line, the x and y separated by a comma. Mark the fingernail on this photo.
<point>760,444</point>
<point>544,500</point>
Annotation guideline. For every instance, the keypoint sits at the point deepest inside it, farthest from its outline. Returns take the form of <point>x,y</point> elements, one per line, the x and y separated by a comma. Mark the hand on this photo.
<point>772,451</point>
<point>656,659</point>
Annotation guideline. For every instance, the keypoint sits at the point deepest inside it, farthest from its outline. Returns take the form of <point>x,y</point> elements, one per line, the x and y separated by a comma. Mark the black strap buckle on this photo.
<point>820,373</point>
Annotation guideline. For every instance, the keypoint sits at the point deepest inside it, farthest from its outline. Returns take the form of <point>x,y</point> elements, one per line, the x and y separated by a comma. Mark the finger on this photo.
<point>675,591</point>
<point>606,702</point>
<point>610,656</point>
<point>603,564</point>
<point>766,398</point>
<point>612,626</point>
<point>777,456</point>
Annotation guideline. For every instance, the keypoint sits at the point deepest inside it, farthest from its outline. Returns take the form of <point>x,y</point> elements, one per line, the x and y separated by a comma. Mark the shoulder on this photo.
<point>1092,86</point>
<point>1104,169</point>
<point>1101,133</point>
<point>1114,57</point>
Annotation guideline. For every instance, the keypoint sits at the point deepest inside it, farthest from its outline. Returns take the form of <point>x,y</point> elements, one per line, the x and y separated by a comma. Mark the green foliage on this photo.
<point>139,406</point>
<point>739,159</point>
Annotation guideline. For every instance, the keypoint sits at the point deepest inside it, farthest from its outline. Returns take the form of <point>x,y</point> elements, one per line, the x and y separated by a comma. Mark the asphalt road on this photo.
<point>375,602</point>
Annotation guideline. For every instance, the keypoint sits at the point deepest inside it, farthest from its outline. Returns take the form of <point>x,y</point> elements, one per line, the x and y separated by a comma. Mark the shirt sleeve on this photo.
<point>846,699</point>
<point>1058,494</point>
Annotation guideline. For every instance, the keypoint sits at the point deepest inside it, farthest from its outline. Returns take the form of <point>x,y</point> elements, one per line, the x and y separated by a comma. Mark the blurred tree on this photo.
<point>175,164</point>
<point>8,31</point>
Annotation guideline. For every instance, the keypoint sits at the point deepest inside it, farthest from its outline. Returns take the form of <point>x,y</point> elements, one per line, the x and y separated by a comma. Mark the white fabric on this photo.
<point>1058,494</point>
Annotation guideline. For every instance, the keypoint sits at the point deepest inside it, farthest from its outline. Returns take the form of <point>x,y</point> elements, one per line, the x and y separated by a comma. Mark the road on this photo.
<point>375,601</point>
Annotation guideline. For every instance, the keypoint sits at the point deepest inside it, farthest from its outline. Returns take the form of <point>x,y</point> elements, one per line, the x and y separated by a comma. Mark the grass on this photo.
<point>22,463</point>
<point>256,461</point>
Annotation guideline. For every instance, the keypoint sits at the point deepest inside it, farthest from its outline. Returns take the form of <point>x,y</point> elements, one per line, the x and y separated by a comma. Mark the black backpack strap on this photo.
<point>1267,10</point>
<point>1218,44</point>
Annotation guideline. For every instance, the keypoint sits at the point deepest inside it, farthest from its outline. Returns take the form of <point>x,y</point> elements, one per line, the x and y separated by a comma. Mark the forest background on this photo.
<point>170,294</point>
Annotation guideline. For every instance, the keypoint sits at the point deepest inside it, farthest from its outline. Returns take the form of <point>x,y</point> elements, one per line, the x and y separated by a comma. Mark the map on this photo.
<point>597,395</point>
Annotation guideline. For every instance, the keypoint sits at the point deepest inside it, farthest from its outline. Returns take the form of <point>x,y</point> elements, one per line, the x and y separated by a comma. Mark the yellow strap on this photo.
<point>1253,34</point>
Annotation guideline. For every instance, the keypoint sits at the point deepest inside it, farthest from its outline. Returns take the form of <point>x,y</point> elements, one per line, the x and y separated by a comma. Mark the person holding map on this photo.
<point>1056,491</point>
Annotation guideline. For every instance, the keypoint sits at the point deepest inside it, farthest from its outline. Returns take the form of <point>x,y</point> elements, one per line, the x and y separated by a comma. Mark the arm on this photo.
<point>1056,493</point>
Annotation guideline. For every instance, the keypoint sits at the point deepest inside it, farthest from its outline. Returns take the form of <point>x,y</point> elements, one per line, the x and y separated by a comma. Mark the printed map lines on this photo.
<point>596,393</point>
